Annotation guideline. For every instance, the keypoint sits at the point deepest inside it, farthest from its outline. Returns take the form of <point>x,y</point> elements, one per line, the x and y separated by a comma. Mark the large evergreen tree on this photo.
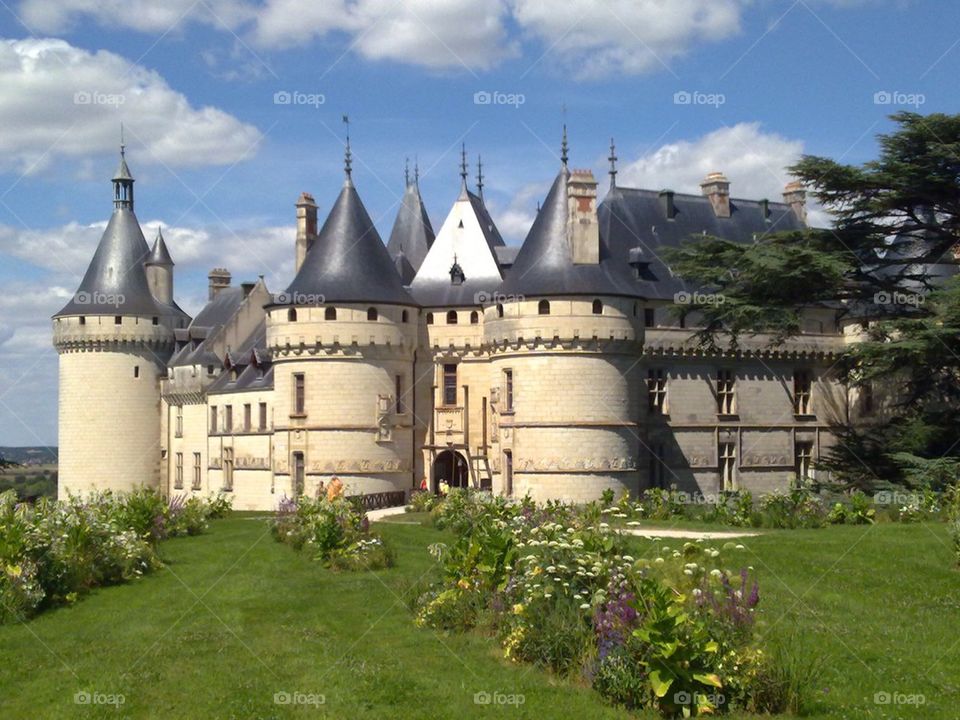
<point>896,226</point>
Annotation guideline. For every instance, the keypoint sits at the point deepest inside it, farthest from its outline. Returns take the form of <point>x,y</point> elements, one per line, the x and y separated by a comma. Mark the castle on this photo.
<point>559,368</point>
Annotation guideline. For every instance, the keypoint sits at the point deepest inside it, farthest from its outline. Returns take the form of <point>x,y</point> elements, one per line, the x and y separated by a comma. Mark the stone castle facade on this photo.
<point>559,368</point>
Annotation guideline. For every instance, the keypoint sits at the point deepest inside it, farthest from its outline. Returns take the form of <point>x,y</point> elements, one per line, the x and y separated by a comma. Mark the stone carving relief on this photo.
<point>576,464</point>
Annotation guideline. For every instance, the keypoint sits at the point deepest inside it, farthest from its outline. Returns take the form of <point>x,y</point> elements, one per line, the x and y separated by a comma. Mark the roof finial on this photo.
<point>613,164</point>
<point>406,173</point>
<point>123,146</point>
<point>347,157</point>
<point>479,176</point>
<point>463,163</point>
<point>563,146</point>
<point>416,171</point>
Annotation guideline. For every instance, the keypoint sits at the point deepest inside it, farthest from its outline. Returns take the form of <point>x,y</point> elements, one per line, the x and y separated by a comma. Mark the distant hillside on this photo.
<point>31,455</point>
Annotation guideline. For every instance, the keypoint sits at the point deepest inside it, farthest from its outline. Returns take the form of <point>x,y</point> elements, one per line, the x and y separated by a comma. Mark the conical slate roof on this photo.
<point>348,261</point>
<point>412,233</point>
<point>115,282</point>
<point>159,255</point>
<point>544,265</point>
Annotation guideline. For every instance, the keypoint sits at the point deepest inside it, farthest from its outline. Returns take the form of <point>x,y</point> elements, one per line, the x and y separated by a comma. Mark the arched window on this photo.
<point>330,313</point>
<point>452,317</point>
<point>404,316</point>
<point>372,314</point>
<point>292,315</point>
<point>597,307</point>
<point>543,307</point>
<point>429,318</point>
<point>474,317</point>
<point>499,310</point>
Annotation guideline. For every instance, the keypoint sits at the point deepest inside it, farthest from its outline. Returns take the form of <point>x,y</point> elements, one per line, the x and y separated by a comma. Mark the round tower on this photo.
<point>113,339</point>
<point>564,341</point>
<point>343,339</point>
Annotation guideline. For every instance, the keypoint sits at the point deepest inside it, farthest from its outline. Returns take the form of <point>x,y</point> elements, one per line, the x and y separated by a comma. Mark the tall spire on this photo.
<point>123,180</point>
<point>406,173</point>
<point>416,171</point>
<point>564,146</point>
<point>479,176</point>
<point>463,164</point>
<point>613,164</point>
<point>347,157</point>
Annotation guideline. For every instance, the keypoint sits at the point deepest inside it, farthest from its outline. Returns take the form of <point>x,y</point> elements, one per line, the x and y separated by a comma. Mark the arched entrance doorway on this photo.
<point>451,467</point>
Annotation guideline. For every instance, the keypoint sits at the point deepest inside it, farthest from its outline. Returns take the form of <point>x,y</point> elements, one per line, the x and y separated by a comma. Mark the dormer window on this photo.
<point>209,369</point>
<point>474,317</point>
<point>543,307</point>
<point>456,273</point>
<point>452,317</point>
<point>429,318</point>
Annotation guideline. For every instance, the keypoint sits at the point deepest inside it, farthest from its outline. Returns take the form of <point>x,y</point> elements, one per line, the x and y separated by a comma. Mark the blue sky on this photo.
<point>220,163</point>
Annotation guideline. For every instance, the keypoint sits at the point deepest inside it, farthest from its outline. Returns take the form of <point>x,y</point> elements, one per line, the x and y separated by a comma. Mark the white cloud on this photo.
<point>142,15</point>
<point>515,220</point>
<point>58,100</point>
<point>625,36</point>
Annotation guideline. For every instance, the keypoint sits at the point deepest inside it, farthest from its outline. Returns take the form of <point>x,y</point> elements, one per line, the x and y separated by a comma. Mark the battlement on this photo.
<point>339,326</point>
<point>85,332</point>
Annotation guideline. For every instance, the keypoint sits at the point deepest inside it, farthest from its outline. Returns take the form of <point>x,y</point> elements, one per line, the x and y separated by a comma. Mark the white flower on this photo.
<point>585,606</point>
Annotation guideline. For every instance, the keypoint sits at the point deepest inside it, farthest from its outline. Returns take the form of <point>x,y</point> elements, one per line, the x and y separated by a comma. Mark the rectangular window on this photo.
<point>649,318</point>
<point>726,395</point>
<point>802,381</point>
<point>247,417</point>
<point>508,472</point>
<point>178,472</point>
<point>450,384</point>
<point>213,419</point>
<point>298,474</point>
<point>263,416</point>
<point>657,391</point>
<point>508,389</point>
<point>228,418</point>
<point>299,394</point>
<point>196,471</point>
<point>398,388</point>
<point>657,466</point>
<point>228,469</point>
<point>803,460</point>
<point>136,371</point>
<point>727,453</point>
<point>178,422</point>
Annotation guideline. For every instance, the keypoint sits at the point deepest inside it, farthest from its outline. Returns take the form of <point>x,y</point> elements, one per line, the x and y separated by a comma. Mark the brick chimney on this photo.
<point>716,187</point>
<point>306,226</point>
<point>583,228</point>
<point>796,197</point>
<point>219,280</point>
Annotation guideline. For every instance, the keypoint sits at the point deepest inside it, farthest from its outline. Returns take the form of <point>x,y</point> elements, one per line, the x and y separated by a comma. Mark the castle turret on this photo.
<point>159,268</point>
<point>343,338</point>
<point>113,338</point>
<point>412,235</point>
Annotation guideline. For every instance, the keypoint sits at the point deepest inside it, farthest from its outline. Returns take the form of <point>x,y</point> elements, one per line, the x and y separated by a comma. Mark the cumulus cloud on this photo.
<point>57,100</point>
<point>515,220</point>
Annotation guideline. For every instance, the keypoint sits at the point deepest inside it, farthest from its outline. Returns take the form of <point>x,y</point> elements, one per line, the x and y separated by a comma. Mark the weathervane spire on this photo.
<point>564,147</point>
<point>463,164</point>
<point>479,176</point>
<point>416,171</point>
<point>347,156</point>
<point>613,164</point>
<point>406,173</point>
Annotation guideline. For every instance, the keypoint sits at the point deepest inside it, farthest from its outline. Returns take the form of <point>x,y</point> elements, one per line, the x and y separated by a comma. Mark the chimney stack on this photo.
<point>219,280</point>
<point>306,226</point>
<point>717,188</point>
<point>666,202</point>
<point>583,228</point>
<point>796,197</point>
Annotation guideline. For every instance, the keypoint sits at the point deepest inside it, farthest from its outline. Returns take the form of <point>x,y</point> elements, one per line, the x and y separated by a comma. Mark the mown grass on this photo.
<point>236,617</point>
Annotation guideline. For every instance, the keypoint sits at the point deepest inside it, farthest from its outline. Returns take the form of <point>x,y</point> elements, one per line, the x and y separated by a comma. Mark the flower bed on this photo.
<point>335,530</point>
<point>557,586</point>
<point>52,552</point>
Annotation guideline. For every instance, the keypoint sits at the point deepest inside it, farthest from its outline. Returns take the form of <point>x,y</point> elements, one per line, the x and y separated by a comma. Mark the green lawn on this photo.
<point>237,617</point>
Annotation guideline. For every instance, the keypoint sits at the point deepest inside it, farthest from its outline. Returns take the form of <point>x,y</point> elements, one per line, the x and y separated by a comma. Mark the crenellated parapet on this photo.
<point>112,333</point>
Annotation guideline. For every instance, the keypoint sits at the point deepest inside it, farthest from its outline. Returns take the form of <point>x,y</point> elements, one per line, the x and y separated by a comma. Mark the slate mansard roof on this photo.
<point>348,262</point>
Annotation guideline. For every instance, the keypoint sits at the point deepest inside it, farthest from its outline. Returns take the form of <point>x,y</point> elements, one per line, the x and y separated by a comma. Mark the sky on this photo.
<point>232,108</point>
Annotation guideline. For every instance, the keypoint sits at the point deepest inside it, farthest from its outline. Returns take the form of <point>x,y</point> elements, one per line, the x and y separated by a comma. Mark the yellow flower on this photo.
<point>462,583</point>
<point>518,608</point>
<point>14,570</point>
